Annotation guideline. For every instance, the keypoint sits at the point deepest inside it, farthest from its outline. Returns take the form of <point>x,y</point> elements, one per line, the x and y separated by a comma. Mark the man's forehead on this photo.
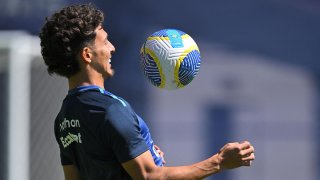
<point>101,32</point>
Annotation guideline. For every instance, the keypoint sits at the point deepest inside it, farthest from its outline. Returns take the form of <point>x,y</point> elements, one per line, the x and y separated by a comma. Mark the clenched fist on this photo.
<point>234,155</point>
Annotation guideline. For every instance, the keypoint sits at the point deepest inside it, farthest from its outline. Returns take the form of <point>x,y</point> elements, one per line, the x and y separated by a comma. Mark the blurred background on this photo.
<point>259,81</point>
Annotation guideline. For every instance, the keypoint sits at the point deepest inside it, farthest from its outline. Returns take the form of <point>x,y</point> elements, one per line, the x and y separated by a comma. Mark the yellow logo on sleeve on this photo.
<point>70,138</point>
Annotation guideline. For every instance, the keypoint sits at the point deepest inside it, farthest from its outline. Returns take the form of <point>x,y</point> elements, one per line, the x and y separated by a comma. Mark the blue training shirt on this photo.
<point>97,131</point>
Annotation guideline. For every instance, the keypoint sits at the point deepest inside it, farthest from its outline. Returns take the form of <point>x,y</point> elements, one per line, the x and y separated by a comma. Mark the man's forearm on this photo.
<point>198,170</point>
<point>230,156</point>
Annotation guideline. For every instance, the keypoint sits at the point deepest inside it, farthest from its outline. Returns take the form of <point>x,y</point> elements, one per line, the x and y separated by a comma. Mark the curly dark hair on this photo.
<point>64,34</point>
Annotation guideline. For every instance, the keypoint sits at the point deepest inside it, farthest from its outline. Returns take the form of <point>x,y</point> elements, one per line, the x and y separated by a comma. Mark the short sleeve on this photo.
<point>64,159</point>
<point>123,133</point>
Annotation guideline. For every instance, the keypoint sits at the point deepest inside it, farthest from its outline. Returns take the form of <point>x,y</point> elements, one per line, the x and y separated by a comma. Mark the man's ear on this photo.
<point>86,54</point>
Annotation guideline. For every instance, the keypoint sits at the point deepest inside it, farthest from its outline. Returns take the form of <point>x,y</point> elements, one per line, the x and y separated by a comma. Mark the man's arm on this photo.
<point>232,155</point>
<point>71,172</point>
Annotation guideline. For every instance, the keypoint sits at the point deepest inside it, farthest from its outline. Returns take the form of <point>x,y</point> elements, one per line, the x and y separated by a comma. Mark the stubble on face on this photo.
<point>102,53</point>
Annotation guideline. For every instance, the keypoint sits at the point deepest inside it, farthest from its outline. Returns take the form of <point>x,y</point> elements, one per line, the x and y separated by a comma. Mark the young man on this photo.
<point>99,134</point>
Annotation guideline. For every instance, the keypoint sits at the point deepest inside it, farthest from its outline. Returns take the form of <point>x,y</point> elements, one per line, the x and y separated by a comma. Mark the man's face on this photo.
<point>102,52</point>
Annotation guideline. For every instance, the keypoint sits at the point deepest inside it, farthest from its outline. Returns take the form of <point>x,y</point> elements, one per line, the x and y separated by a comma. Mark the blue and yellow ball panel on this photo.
<point>163,33</point>
<point>150,69</point>
<point>174,36</point>
<point>189,67</point>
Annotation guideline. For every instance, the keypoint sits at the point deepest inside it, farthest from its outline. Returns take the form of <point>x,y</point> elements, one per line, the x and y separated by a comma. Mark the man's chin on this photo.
<point>110,74</point>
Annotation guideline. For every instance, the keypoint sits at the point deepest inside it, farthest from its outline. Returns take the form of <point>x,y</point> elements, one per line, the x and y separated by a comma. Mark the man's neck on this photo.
<point>85,80</point>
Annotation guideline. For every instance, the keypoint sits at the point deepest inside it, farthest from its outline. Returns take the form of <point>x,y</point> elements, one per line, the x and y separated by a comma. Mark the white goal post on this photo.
<point>20,46</point>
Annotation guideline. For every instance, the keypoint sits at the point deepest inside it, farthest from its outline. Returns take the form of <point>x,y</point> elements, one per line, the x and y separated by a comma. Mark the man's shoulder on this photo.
<point>90,99</point>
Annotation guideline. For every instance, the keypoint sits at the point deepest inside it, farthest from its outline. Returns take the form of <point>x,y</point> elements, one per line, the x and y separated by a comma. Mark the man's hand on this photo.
<point>234,155</point>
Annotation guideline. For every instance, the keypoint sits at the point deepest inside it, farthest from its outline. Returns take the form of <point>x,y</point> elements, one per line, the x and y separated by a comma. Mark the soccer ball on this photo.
<point>170,59</point>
